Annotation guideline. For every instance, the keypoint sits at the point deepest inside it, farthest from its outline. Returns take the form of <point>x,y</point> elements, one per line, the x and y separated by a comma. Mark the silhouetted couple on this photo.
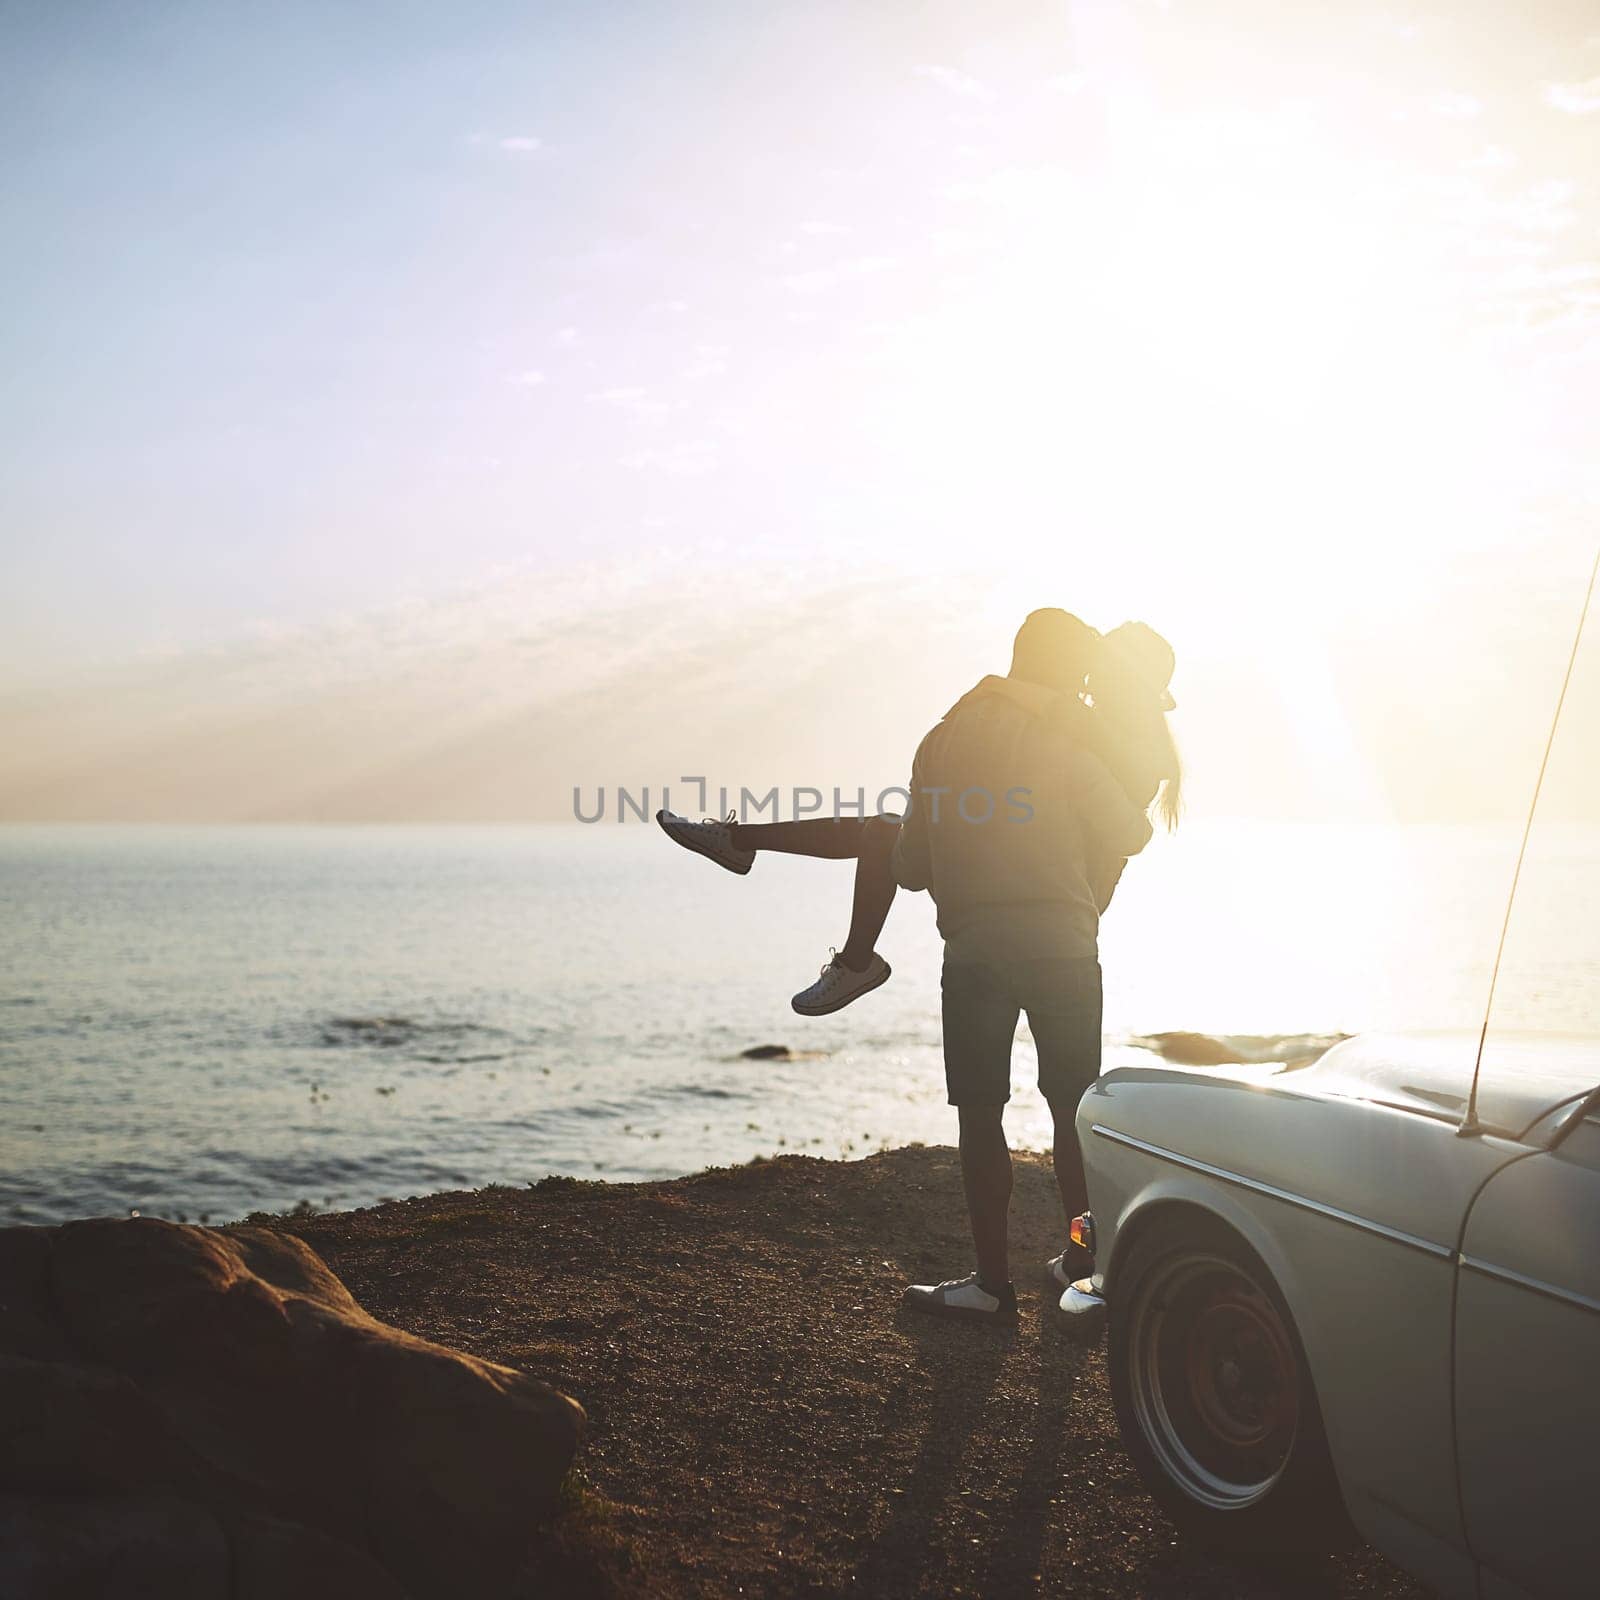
<point>1027,798</point>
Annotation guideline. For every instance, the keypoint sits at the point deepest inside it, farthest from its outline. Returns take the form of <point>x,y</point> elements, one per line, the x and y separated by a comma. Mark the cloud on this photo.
<point>1455,106</point>
<point>821,279</point>
<point>1491,158</point>
<point>1576,99</point>
<point>521,144</point>
<point>691,459</point>
<point>566,337</point>
<point>1397,27</point>
<point>818,230</point>
<point>710,361</point>
<point>1547,207</point>
<point>530,379</point>
<point>962,85</point>
<point>1543,294</point>
<point>633,399</point>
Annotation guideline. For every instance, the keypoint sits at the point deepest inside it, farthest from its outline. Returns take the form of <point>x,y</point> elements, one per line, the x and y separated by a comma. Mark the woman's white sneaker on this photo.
<point>708,838</point>
<point>965,1299</point>
<point>839,985</point>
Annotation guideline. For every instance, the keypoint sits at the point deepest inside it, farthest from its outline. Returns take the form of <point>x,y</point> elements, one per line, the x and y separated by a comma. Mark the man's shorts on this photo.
<point>982,1002</point>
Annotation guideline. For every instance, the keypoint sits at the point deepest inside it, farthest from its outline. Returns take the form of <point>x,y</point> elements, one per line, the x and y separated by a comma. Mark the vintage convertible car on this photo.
<point>1333,1298</point>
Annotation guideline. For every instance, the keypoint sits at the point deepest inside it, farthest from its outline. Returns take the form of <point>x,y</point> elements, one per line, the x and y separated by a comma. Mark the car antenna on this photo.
<point>1470,1125</point>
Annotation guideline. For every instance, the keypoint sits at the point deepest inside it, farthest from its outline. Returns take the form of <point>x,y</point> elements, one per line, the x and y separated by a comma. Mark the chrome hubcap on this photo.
<point>1215,1380</point>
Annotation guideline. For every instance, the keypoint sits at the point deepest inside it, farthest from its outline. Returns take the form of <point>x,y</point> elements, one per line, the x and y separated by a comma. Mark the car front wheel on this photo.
<point>1214,1397</point>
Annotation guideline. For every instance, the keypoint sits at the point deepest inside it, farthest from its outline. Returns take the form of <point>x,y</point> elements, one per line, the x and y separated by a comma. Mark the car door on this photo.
<point>1528,1370</point>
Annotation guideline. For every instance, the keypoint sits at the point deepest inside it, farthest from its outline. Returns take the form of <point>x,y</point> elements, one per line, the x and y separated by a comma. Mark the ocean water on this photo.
<point>199,1023</point>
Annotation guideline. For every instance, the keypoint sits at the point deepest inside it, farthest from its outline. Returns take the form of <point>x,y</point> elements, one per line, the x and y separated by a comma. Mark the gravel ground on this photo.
<point>765,1417</point>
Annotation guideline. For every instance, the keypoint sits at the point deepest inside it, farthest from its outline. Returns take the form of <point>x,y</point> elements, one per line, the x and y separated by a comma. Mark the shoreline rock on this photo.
<point>212,1414</point>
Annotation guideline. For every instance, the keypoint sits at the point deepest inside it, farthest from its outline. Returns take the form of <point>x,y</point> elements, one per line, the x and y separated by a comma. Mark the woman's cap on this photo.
<point>1140,651</point>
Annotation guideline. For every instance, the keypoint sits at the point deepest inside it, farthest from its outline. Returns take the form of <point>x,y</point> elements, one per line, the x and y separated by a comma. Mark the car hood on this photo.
<point>1524,1076</point>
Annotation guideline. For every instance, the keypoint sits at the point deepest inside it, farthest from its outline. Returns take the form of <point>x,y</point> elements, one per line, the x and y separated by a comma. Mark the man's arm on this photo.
<point>1114,825</point>
<point>1105,873</point>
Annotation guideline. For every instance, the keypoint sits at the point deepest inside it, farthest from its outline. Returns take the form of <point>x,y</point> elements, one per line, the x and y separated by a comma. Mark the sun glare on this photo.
<point>1282,401</point>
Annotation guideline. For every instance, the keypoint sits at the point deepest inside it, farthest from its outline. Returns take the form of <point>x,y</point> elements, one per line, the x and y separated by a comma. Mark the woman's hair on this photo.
<point>1146,756</point>
<point>1169,803</point>
<point>1145,728</point>
<point>1129,687</point>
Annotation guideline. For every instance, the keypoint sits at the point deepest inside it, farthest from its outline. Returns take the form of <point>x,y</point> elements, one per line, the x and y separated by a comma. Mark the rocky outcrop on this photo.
<point>187,1412</point>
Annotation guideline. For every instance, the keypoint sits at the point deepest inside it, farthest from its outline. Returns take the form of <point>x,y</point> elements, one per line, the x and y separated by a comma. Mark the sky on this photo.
<point>416,411</point>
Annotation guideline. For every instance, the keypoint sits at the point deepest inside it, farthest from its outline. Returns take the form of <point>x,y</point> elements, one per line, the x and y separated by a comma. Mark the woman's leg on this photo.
<point>870,840</point>
<point>828,838</point>
<point>874,891</point>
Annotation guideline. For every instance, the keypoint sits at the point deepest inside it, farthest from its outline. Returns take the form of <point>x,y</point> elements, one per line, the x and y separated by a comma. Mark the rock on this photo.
<point>1191,1049</point>
<point>167,1392</point>
<point>278,1559</point>
<point>137,1546</point>
<point>111,1546</point>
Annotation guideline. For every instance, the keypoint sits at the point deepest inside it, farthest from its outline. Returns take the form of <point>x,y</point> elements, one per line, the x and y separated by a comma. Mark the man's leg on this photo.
<point>1069,1159</point>
<point>1064,1016</point>
<point>980,1020</point>
<point>986,1174</point>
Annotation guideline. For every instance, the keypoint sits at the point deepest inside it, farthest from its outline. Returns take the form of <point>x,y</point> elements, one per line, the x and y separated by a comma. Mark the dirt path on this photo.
<point>767,1418</point>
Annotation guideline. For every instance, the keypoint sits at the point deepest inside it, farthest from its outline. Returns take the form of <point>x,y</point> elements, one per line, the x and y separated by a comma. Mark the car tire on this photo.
<point>1214,1396</point>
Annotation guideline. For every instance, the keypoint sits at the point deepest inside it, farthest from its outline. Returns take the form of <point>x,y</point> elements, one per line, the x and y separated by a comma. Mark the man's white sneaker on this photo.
<point>1073,1263</point>
<point>965,1299</point>
<point>839,985</point>
<point>708,838</point>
